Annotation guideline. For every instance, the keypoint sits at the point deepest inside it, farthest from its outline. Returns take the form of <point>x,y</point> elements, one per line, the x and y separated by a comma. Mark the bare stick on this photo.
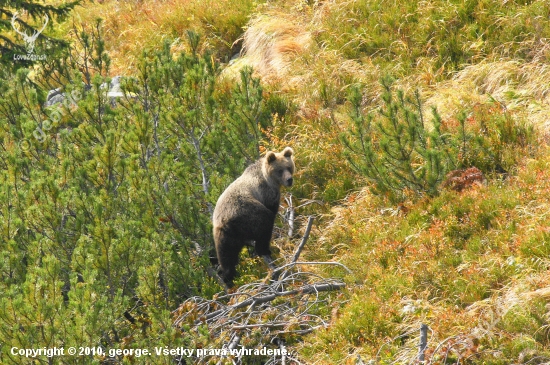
<point>280,268</point>
<point>307,289</point>
<point>304,239</point>
<point>234,342</point>
<point>291,213</point>
<point>258,325</point>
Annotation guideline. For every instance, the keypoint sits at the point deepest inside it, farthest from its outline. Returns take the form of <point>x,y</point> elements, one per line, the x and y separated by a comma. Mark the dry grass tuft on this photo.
<point>285,52</point>
<point>519,87</point>
<point>271,44</point>
<point>133,26</point>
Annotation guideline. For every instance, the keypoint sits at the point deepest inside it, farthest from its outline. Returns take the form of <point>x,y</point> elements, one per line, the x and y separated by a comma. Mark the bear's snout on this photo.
<point>287,178</point>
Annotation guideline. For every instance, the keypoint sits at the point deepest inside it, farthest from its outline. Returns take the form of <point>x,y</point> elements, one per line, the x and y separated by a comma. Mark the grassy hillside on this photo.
<point>473,264</point>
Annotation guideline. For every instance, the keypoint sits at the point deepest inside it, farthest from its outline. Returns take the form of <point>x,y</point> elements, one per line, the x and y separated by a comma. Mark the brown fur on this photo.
<point>246,210</point>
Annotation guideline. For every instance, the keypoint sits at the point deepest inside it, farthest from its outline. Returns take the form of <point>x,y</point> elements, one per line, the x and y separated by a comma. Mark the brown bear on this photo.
<point>246,210</point>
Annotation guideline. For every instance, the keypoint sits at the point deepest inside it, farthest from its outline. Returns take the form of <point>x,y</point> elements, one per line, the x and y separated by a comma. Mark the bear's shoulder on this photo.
<point>252,184</point>
<point>254,179</point>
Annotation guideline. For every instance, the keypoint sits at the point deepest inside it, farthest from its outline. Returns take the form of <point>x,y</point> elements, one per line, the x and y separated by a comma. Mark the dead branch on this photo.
<point>280,268</point>
<point>261,299</point>
<point>291,213</point>
<point>288,307</point>
<point>304,239</point>
<point>279,324</point>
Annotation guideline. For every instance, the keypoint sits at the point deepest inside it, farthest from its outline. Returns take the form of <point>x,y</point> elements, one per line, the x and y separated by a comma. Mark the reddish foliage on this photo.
<point>459,180</point>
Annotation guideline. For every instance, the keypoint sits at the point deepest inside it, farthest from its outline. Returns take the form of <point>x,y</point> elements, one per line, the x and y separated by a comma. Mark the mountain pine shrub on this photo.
<point>401,153</point>
<point>105,209</point>
<point>397,150</point>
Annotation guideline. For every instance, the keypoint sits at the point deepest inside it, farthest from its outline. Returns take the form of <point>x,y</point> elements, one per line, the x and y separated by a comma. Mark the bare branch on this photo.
<point>280,268</point>
<point>291,214</point>
<point>259,312</point>
<point>248,326</point>
<point>304,239</point>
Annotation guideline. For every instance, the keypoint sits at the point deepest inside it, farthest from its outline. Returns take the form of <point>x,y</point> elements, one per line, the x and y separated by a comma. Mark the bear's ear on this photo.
<point>270,157</point>
<point>287,152</point>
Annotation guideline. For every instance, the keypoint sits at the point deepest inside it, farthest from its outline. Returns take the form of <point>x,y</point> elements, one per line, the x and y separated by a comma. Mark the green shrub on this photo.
<point>110,203</point>
<point>399,152</point>
<point>492,140</point>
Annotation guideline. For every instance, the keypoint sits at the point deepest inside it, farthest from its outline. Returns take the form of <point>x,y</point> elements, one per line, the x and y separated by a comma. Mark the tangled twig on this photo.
<point>259,313</point>
<point>259,316</point>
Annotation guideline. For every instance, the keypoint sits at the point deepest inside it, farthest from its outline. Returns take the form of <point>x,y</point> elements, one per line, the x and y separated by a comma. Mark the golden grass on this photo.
<point>522,88</point>
<point>132,26</point>
<point>362,235</point>
<point>272,42</point>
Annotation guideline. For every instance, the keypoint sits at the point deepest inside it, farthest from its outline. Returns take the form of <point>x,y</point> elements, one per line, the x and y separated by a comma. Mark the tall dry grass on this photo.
<point>131,26</point>
<point>520,87</point>
<point>272,43</point>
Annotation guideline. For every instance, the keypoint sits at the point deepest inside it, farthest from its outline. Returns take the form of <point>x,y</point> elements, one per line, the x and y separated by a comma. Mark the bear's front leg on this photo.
<point>263,234</point>
<point>269,261</point>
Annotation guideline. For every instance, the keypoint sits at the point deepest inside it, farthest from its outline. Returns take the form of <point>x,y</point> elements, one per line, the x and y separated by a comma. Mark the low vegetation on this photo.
<point>105,204</point>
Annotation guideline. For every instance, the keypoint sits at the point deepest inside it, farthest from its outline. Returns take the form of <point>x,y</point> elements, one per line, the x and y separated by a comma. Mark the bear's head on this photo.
<point>278,168</point>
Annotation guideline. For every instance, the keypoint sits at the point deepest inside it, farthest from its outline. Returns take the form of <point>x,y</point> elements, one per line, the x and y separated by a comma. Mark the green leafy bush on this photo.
<point>397,150</point>
<point>105,209</point>
<point>492,140</point>
<point>402,154</point>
